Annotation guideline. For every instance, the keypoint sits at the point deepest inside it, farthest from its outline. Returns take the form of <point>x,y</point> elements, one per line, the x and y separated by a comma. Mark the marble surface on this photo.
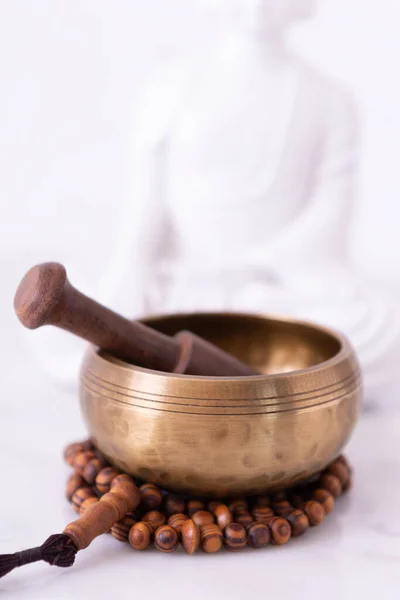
<point>354,554</point>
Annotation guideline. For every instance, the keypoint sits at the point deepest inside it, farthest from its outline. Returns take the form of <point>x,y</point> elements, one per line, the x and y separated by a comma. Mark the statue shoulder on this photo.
<point>160,97</point>
<point>333,100</point>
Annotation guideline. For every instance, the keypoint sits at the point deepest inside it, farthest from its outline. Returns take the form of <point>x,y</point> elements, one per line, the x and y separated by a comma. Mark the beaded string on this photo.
<point>168,520</point>
<point>142,514</point>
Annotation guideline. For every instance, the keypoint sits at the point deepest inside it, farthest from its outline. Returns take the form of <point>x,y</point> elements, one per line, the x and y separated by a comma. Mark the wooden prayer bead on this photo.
<point>298,522</point>
<point>279,496</point>
<point>74,482</point>
<point>166,539</point>
<point>71,451</point>
<point>140,535</point>
<point>86,503</point>
<point>88,444</point>
<point>296,500</point>
<point>174,504</point>
<point>81,459</point>
<point>177,520</point>
<point>121,478</point>
<point>190,534</point>
<point>258,535</point>
<point>280,531</point>
<point>212,505</point>
<point>151,497</point>
<point>154,518</point>
<point>80,496</point>
<point>238,504</point>
<point>263,514</point>
<point>211,538</point>
<point>104,479</point>
<point>332,484</point>
<point>128,493</point>
<point>282,508</point>
<point>223,516</point>
<point>315,512</point>
<point>339,470</point>
<point>342,459</point>
<point>261,501</point>
<point>193,506</point>
<point>325,498</point>
<point>92,469</point>
<point>235,537</point>
<point>120,529</point>
<point>202,517</point>
<point>347,486</point>
<point>101,456</point>
<point>243,517</point>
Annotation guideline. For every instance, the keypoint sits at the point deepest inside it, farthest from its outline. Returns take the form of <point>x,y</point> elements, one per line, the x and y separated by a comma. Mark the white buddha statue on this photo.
<point>243,173</point>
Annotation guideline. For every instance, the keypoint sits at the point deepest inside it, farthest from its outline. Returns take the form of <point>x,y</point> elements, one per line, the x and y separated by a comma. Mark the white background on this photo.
<point>69,74</point>
<point>70,70</point>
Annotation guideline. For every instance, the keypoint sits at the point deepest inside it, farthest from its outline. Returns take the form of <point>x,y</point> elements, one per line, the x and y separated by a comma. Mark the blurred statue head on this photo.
<point>263,16</point>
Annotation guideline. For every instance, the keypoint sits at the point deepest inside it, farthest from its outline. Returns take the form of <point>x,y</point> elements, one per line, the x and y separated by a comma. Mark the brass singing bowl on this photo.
<point>228,436</point>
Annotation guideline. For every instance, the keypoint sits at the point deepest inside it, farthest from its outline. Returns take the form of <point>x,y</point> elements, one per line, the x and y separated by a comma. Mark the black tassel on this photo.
<point>57,550</point>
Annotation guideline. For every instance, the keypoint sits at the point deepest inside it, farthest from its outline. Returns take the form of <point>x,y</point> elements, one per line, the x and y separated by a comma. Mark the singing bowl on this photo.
<point>227,436</point>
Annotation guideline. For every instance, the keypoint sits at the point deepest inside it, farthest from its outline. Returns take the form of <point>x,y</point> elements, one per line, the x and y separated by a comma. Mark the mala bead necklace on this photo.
<point>74,482</point>
<point>154,519</point>
<point>280,531</point>
<point>92,469</point>
<point>298,522</point>
<point>325,498</point>
<point>166,538</point>
<point>104,479</point>
<point>139,535</point>
<point>211,538</point>
<point>258,535</point>
<point>177,520</point>
<point>282,508</point>
<point>263,514</point>
<point>150,496</point>
<point>223,515</point>
<point>190,536</point>
<point>202,517</point>
<point>244,518</point>
<point>261,502</point>
<point>315,512</point>
<point>120,530</point>
<point>174,504</point>
<point>235,537</point>
<point>193,506</point>
<point>239,505</point>
<point>107,500</point>
<point>332,483</point>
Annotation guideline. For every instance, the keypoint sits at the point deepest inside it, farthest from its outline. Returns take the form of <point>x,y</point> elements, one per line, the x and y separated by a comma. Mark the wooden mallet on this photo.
<point>46,297</point>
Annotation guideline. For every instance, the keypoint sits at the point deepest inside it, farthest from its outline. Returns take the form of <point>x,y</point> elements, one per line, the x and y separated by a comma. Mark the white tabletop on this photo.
<point>355,553</point>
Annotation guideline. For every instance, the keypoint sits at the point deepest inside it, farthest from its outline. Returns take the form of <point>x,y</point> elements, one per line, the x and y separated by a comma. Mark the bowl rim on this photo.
<point>323,383</point>
<point>346,349</point>
<point>345,352</point>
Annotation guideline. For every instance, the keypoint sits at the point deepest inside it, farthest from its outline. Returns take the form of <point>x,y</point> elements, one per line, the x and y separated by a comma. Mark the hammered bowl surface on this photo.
<point>228,436</point>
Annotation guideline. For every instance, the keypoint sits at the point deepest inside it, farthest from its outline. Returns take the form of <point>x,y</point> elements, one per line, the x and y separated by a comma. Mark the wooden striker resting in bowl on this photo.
<point>205,435</point>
